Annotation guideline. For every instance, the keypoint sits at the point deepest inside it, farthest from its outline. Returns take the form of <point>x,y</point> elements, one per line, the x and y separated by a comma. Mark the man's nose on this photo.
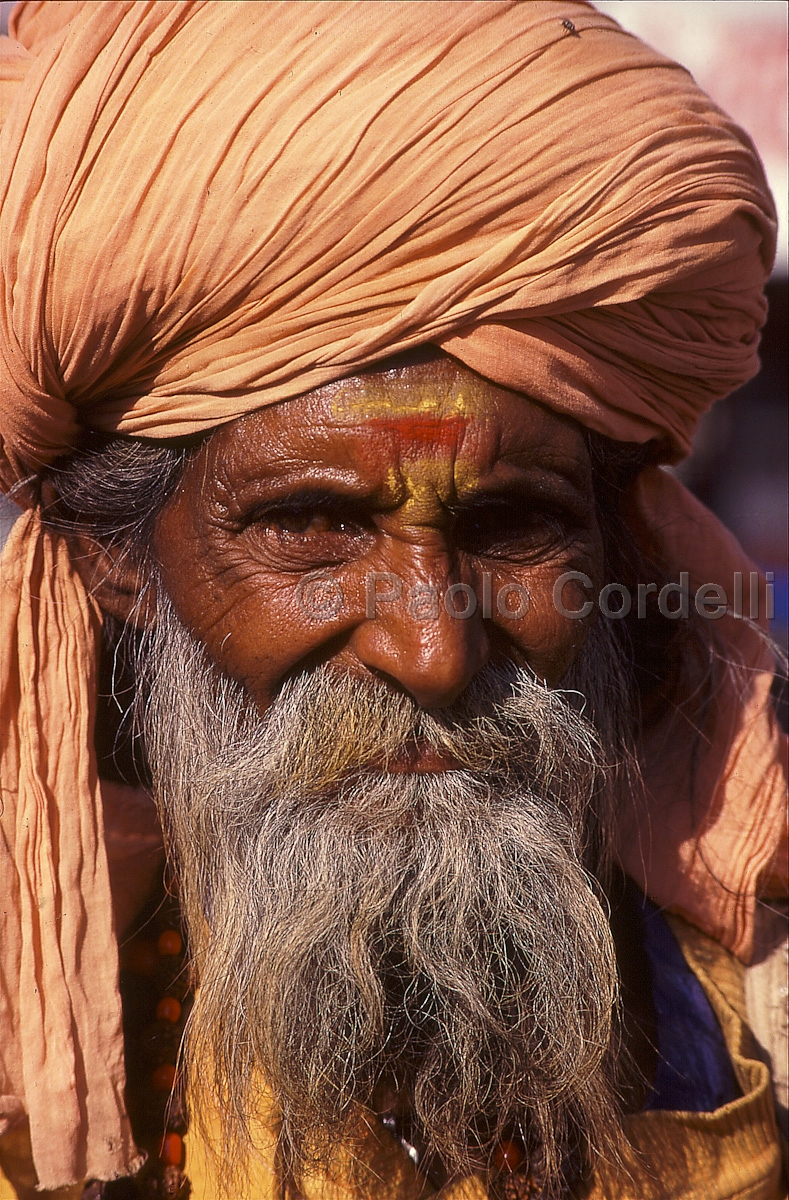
<point>428,639</point>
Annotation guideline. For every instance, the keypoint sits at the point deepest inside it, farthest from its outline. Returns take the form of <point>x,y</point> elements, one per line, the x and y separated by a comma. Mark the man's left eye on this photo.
<point>513,530</point>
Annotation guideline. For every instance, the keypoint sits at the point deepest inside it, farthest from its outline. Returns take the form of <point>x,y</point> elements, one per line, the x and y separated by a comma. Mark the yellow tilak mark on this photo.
<point>424,484</point>
<point>373,401</point>
<point>466,477</point>
<point>420,482</point>
<point>428,418</point>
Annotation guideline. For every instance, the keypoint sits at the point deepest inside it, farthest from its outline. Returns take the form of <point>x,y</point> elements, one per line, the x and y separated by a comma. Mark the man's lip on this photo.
<point>417,758</point>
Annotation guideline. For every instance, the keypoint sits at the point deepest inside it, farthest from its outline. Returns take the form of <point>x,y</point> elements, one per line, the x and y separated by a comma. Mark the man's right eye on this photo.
<point>304,535</point>
<point>304,521</point>
<point>307,522</point>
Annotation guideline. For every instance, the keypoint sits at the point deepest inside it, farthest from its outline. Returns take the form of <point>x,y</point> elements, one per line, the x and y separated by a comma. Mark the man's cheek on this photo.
<point>544,617</point>
<point>258,626</point>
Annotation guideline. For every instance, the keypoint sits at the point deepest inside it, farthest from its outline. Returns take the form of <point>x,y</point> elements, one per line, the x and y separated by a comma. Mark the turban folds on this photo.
<point>211,207</point>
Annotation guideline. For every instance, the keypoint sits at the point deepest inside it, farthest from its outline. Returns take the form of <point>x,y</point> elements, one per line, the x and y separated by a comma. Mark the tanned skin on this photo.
<point>425,471</point>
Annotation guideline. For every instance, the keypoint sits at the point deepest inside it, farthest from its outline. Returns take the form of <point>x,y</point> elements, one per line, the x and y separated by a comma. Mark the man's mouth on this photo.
<point>416,757</point>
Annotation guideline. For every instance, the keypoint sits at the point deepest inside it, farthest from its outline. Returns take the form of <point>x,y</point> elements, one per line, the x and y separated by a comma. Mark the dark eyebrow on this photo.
<point>309,497</point>
<point>293,487</point>
<point>547,488</point>
<point>533,485</point>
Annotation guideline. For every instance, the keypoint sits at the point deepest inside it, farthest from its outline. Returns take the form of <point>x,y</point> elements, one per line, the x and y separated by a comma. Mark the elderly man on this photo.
<point>340,345</point>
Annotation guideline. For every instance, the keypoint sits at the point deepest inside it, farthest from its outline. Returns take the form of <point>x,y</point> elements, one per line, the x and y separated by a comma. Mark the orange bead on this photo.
<point>168,1009</point>
<point>141,958</point>
<point>508,1156</point>
<point>169,942</point>
<point>172,1150</point>
<point>163,1078</point>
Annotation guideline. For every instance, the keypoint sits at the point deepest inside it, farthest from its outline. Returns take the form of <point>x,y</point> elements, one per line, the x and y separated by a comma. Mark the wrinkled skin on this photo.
<point>425,471</point>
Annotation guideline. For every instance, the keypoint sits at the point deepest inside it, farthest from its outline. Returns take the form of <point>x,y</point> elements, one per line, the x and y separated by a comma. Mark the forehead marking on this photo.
<point>376,400</point>
<point>424,433</point>
<point>429,418</point>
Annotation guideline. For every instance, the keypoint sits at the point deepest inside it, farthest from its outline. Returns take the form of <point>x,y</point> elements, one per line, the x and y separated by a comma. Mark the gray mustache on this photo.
<point>353,928</point>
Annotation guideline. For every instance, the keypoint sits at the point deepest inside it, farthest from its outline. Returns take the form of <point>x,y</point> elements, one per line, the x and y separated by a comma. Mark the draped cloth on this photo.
<point>209,207</point>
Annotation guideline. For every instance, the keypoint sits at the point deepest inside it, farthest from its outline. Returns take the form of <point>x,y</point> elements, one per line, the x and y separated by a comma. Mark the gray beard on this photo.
<point>360,935</point>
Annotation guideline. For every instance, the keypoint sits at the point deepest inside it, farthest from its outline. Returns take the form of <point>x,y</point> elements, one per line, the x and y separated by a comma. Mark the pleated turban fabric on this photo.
<point>209,207</point>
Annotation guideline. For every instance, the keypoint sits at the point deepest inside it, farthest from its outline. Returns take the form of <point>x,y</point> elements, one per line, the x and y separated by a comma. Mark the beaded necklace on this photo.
<point>157,998</point>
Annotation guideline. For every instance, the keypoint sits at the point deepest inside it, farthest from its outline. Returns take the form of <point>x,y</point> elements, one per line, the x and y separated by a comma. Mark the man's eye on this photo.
<point>306,522</point>
<point>505,529</point>
<point>301,522</point>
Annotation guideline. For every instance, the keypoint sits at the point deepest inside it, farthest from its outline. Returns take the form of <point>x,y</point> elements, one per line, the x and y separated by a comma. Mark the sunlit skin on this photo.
<point>425,471</point>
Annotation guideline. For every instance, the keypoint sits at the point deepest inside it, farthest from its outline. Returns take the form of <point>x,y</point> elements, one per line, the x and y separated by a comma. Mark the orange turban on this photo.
<point>209,207</point>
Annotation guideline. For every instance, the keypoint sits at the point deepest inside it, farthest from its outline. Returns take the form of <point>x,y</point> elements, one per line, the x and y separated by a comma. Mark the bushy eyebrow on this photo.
<point>547,481</point>
<point>529,484</point>
<point>565,501</point>
<point>562,499</point>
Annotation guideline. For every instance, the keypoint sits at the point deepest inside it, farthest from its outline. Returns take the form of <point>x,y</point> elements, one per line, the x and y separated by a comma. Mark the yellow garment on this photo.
<point>16,1163</point>
<point>730,1154</point>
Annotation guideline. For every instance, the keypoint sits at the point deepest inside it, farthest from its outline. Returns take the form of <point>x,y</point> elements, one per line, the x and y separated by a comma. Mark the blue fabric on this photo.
<point>694,1072</point>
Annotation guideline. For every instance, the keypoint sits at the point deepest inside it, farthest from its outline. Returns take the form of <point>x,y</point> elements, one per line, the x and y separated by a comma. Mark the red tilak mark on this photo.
<point>424,431</point>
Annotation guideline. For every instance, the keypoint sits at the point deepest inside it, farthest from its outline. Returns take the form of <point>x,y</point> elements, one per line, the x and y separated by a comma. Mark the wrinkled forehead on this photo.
<point>428,386</point>
<point>425,404</point>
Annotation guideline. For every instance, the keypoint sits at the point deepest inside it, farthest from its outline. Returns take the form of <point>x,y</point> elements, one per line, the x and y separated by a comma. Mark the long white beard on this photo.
<point>353,930</point>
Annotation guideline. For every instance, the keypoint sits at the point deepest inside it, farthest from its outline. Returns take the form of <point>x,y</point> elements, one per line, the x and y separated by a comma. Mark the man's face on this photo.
<point>383,820</point>
<point>329,528</point>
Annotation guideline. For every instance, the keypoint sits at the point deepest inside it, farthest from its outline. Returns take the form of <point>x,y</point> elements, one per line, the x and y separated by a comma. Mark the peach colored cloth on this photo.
<point>208,207</point>
<point>710,833</point>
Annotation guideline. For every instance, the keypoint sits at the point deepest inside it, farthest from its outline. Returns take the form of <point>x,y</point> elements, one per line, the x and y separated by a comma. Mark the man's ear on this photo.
<point>121,587</point>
